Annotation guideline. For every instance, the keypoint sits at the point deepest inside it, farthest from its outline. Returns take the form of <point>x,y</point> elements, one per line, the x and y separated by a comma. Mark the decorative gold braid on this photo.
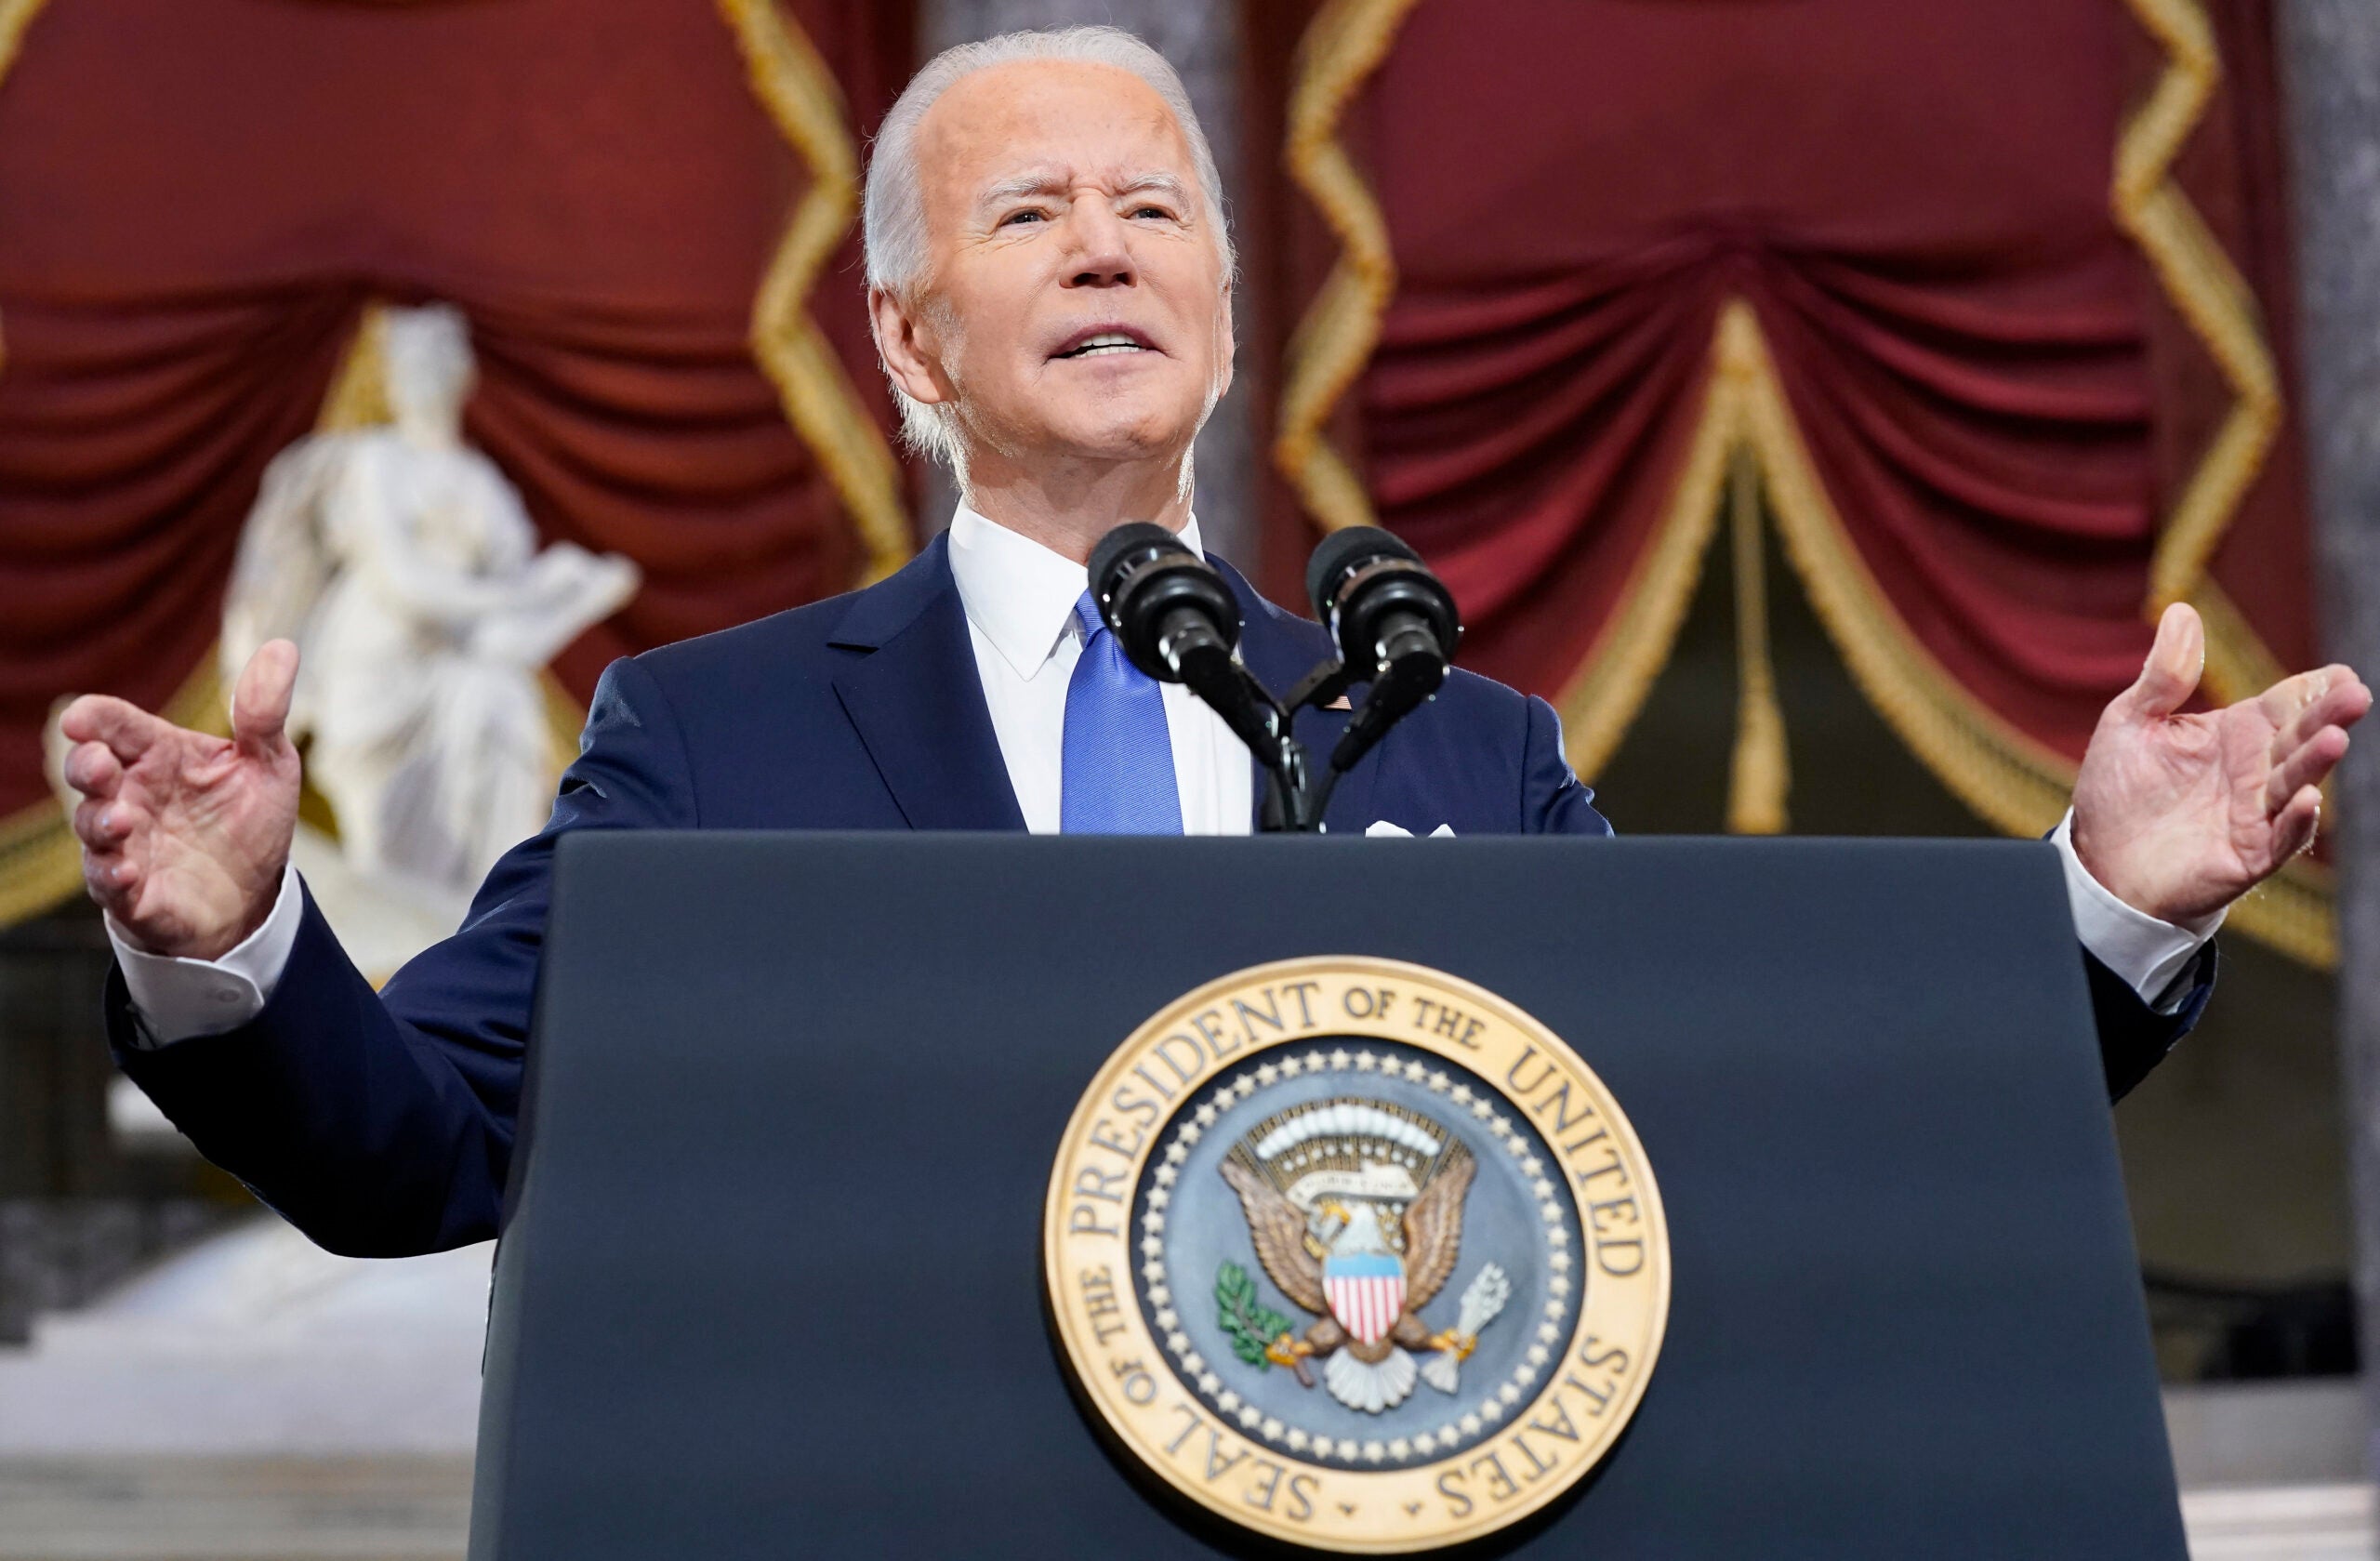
<point>1343,45</point>
<point>2012,781</point>
<point>2295,911</point>
<point>1600,701</point>
<point>2205,288</point>
<point>358,397</point>
<point>2017,784</point>
<point>798,91</point>
<point>1759,772</point>
<point>40,865</point>
<point>2238,665</point>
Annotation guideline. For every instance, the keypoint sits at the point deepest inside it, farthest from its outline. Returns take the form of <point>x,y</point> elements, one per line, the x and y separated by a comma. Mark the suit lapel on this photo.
<point>1281,648</point>
<point>913,693</point>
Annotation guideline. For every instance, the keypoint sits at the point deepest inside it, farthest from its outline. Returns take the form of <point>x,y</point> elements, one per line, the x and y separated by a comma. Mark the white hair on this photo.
<point>892,216</point>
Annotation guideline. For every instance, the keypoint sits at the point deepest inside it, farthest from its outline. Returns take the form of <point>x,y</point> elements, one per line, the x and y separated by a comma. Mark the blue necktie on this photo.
<point>1117,762</point>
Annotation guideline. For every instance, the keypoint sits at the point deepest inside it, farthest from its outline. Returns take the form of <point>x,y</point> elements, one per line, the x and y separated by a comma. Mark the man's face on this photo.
<point>1074,303</point>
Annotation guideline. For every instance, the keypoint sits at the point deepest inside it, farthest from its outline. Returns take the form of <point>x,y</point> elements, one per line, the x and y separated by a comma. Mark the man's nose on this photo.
<point>1103,252</point>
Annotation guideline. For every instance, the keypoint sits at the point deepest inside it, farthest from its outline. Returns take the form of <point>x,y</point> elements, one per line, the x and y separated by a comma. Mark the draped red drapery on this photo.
<point>198,196</point>
<point>1988,402</point>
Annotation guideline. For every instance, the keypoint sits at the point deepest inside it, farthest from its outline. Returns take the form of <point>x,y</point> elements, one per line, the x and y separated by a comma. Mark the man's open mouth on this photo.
<point>1106,344</point>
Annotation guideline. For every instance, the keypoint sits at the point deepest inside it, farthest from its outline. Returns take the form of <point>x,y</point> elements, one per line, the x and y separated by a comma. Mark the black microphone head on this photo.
<point>1143,577</point>
<point>1369,589</point>
<point>1341,554</point>
<point>1121,550</point>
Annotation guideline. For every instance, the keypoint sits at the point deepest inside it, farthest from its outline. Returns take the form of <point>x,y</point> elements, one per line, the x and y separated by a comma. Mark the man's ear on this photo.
<point>907,343</point>
<point>1231,342</point>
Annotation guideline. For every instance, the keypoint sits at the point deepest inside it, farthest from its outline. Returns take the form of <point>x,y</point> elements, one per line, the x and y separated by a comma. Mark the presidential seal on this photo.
<point>1355,1254</point>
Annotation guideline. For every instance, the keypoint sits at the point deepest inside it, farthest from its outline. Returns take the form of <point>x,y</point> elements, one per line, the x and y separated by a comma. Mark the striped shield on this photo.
<point>1366,1291</point>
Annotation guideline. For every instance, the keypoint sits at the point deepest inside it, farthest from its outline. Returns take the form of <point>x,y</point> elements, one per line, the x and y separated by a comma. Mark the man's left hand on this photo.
<point>2178,816</point>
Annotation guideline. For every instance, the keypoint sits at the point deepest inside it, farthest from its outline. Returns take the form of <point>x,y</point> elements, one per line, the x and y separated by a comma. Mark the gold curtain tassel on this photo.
<point>1760,774</point>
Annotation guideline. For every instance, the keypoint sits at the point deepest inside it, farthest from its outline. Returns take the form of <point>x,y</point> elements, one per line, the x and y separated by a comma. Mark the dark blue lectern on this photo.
<point>771,1280</point>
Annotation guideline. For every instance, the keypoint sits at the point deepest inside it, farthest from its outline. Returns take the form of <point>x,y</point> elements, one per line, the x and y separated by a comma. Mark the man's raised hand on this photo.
<point>2180,814</point>
<point>185,835</point>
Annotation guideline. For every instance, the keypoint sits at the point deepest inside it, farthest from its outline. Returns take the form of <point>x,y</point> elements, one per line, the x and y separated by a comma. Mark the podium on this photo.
<point>772,1277</point>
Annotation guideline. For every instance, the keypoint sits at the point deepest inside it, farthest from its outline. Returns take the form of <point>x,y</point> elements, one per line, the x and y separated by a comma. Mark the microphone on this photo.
<point>1394,624</point>
<point>1178,621</point>
<point>1165,604</point>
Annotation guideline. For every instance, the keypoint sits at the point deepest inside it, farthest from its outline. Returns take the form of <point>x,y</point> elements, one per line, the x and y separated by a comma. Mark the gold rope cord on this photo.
<point>1759,772</point>
<point>40,863</point>
<point>35,874</point>
<point>2215,303</point>
<point>2009,779</point>
<point>1601,699</point>
<point>2015,783</point>
<point>1343,46</point>
<point>800,93</point>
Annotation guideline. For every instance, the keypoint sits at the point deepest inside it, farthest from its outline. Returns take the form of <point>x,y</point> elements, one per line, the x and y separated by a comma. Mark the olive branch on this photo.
<point>1251,1325</point>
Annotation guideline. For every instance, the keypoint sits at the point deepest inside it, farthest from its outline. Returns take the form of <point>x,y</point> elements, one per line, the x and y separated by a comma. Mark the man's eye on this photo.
<point>1014,218</point>
<point>1159,211</point>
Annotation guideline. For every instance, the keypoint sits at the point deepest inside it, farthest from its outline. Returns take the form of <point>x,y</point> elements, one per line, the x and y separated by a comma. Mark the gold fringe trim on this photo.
<point>14,17</point>
<point>40,863</point>
<point>1600,702</point>
<point>2295,911</point>
<point>35,874</point>
<point>2010,780</point>
<point>2205,288</point>
<point>800,93</point>
<point>1759,772</point>
<point>2238,665</point>
<point>1343,45</point>
<point>358,396</point>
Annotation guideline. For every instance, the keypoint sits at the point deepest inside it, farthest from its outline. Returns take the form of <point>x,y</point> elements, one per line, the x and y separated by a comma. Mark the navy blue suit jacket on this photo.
<point>382,1123</point>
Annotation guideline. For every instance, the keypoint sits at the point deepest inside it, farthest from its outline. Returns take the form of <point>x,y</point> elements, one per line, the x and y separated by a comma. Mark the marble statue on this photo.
<point>402,562</point>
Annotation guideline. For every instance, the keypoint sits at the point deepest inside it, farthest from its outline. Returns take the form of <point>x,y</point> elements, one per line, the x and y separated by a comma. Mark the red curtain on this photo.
<point>1994,390</point>
<point>197,197</point>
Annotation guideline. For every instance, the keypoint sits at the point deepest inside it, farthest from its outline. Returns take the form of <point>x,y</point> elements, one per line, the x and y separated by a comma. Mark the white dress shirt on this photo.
<point>1020,603</point>
<point>1020,599</point>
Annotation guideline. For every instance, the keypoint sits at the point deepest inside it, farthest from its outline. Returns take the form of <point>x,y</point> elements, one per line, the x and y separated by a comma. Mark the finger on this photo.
<point>92,771</point>
<point>2292,829</point>
<point>2170,676</point>
<point>2313,759</point>
<point>114,883</point>
<point>2301,706</point>
<point>260,703</point>
<point>125,727</point>
<point>104,827</point>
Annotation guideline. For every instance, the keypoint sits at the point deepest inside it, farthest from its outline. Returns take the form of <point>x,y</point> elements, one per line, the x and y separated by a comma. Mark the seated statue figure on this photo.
<point>401,562</point>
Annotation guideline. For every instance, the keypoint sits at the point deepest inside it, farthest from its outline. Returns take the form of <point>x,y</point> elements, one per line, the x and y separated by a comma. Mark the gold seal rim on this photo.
<point>1117,1415</point>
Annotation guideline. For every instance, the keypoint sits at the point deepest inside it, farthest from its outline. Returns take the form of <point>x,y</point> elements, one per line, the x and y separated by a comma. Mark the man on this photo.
<point>1050,279</point>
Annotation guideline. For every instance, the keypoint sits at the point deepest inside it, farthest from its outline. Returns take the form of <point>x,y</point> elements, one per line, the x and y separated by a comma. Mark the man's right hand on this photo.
<point>185,835</point>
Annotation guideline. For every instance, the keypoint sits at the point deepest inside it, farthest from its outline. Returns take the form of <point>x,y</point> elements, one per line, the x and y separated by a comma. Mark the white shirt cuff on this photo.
<point>182,999</point>
<point>2151,955</point>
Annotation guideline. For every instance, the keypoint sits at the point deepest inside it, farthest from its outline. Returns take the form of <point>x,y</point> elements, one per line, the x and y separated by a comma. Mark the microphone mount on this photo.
<point>1394,625</point>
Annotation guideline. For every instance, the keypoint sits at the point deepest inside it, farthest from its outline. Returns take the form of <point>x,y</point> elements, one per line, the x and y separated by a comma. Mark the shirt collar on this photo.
<point>1019,593</point>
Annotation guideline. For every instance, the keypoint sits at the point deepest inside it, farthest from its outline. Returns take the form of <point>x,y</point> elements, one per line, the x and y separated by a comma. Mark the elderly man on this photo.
<point>1050,280</point>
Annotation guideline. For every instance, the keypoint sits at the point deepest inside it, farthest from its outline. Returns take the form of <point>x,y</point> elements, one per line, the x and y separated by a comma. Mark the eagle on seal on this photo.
<point>1365,1278</point>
